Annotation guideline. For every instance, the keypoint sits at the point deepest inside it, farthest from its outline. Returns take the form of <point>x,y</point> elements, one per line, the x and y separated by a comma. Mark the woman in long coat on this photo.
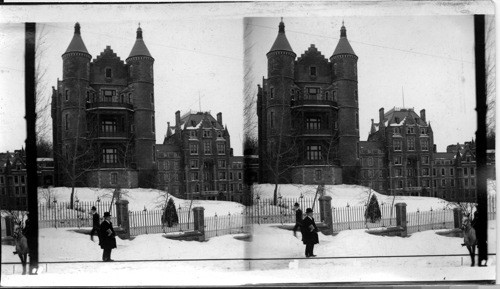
<point>309,233</point>
<point>107,239</point>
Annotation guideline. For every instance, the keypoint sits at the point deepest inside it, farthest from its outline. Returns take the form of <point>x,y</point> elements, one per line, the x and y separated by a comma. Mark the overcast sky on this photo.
<point>431,58</point>
<point>198,64</point>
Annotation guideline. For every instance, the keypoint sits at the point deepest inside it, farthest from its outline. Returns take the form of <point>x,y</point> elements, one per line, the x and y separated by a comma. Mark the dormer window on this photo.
<point>423,131</point>
<point>396,119</point>
<point>219,133</point>
<point>312,71</point>
<point>410,129</point>
<point>108,72</point>
<point>206,133</point>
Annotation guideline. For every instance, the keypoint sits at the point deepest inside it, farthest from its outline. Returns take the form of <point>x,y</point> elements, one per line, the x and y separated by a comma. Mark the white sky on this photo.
<point>198,50</point>
<point>196,61</point>
<point>430,57</point>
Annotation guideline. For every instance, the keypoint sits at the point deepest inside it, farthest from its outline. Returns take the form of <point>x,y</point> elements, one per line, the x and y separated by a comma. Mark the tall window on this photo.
<point>398,160</point>
<point>313,152</point>
<point>272,119</point>
<point>222,163</point>
<point>108,72</point>
<point>109,156</point>
<point>221,148</point>
<point>313,92</point>
<point>114,178</point>
<point>207,133</point>
<point>424,144</point>
<point>222,175</point>
<point>153,123</point>
<point>207,147</point>
<point>452,172</point>
<point>471,171</point>
<point>370,161</point>
<point>272,93</point>
<point>66,95</point>
<point>194,176</point>
<point>313,123</point>
<point>312,70</point>
<point>108,126</point>
<point>397,145</point>
<point>357,121</point>
<point>108,94</point>
<point>356,95</point>
<point>465,172</point>
<point>425,171</point>
<point>66,121</point>
<point>318,174</point>
<point>193,148</point>
<point>152,98</point>
<point>411,144</point>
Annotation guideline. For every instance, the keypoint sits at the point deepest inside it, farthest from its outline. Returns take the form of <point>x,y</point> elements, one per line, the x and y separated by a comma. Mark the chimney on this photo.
<point>422,115</point>
<point>434,148</point>
<point>381,117</point>
<point>219,118</point>
<point>177,119</point>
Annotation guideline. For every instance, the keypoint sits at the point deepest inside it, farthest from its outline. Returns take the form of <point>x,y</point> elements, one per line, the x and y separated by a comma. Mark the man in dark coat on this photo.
<point>298,218</point>
<point>95,223</point>
<point>309,233</point>
<point>107,239</point>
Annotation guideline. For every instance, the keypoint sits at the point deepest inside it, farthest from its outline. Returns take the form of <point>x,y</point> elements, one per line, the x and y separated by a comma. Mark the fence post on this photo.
<point>457,218</point>
<point>401,218</point>
<point>123,218</point>
<point>325,212</point>
<point>199,221</point>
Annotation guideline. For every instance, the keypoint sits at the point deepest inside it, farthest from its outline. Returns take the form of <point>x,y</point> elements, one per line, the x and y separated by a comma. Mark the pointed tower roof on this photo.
<point>281,43</point>
<point>76,43</point>
<point>343,47</point>
<point>139,48</point>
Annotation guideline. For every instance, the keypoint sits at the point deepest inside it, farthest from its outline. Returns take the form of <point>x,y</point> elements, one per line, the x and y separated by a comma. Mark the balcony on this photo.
<point>109,105</point>
<point>110,135</point>
<point>312,103</point>
<point>314,132</point>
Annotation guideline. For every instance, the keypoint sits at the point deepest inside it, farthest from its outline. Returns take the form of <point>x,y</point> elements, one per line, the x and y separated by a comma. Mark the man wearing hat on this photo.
<point>309,233</point>
<point>107,239</point>
<point>95,223</point>
<point>298,218</point>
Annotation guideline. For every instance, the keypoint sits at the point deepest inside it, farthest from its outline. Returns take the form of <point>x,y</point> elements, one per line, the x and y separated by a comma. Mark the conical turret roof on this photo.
<point>281,43</point>
<point>76,43</point>
<point>139,48</point>
<point>343,47</point>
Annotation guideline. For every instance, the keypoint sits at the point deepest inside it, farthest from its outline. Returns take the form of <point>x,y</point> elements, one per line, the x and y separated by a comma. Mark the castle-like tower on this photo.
<point>103,117</point>
<point>308,115</point>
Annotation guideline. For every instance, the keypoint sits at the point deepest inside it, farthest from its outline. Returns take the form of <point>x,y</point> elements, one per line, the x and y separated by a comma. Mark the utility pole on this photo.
<point>30,106</point>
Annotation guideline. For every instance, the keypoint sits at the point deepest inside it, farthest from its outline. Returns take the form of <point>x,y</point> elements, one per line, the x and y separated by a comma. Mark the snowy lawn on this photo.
<point>348,194</point>
<point>268,241</point>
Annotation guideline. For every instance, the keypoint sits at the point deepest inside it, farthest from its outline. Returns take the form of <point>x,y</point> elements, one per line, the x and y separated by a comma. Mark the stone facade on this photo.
<point>103,117</point>
<point>308,122</point>
<point>400,158</point>
<point>196,159</point>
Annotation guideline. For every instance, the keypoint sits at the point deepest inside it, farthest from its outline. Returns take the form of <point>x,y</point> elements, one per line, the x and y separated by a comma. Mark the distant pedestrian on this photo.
<point>95,223</point>
<point>309,233</point>
<point>470,240</point>
<point>107,239</point>
<point>298,218</point>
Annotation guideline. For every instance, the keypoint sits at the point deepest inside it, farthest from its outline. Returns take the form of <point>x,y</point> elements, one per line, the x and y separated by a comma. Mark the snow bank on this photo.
<point>349,194</point>
<point>139,199</point>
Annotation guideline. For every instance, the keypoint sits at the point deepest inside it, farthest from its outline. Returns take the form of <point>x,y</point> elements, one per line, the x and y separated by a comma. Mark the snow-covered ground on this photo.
<point>268,241</point>
<point>348,194</point>
<point>139,199</point>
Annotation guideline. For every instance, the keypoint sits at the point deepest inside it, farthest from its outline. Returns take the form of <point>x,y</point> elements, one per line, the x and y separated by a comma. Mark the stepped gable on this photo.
<point>312,51</point>
<point>108,54</point>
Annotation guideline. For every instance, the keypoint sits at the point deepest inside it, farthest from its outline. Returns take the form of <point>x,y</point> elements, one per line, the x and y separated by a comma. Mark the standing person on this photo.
<point>298,218</point>
<point>470,240</point>
<point>107,239</point>
<point>309,233</point>
<point>95,223</point>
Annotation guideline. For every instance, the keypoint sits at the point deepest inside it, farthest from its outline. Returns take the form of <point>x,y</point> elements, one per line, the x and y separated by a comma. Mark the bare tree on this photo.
<point>43,128</point>
<point>490,77</point>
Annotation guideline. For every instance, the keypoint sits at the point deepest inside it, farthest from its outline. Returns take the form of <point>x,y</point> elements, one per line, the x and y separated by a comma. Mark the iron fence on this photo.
<point>264,211</point>
<point>429,220</point>
<point>60,214</point>
<point>219,225</point>
<point>150,222</point>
